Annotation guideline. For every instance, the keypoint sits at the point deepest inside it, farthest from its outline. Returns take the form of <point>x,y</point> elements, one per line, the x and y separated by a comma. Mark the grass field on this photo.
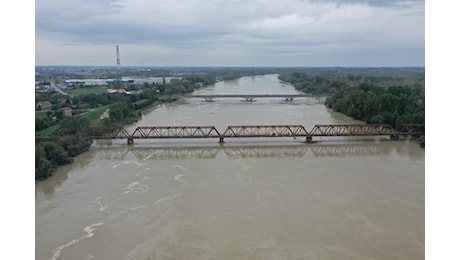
<point>47,132</point>
<point>94,115</point>
<point>40,114</point>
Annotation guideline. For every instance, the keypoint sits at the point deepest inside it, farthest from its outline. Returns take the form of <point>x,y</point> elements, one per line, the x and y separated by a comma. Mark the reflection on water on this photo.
<point>345,149</point>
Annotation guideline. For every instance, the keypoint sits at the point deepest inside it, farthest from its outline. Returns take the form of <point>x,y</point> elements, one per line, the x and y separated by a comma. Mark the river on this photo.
<point>276,198</point>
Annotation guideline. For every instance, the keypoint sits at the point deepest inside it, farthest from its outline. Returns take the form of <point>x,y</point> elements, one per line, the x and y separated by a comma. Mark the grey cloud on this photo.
<point>232,31</point>
<point>369,2</point>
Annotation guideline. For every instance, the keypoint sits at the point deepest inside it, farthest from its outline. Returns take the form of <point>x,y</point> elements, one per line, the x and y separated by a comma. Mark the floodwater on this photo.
<point>274,198</point>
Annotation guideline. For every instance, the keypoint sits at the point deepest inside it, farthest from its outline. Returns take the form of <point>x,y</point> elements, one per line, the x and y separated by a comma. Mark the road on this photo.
<point>58,89</point>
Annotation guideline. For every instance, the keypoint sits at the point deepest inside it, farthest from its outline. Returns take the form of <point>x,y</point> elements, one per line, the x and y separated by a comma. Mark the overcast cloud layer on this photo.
<point>230,32</point>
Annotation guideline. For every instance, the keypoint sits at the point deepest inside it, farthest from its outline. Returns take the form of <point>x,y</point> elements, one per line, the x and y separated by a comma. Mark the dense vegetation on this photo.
<point>390,96</point>
<point>60,149</point>
<point>324,81</point>
<point>394,105</point>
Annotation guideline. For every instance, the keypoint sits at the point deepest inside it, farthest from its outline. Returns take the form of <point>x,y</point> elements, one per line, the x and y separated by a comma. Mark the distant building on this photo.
<point>44,105</point>
<point>67,111</point>
<point>64,102</point>
<point>94,82</point>
<point>74,82</point>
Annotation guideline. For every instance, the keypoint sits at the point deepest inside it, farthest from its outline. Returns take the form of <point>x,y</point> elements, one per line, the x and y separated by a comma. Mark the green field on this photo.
<point>47,132</point>
<point>41,114</point>
<point>93,116</point>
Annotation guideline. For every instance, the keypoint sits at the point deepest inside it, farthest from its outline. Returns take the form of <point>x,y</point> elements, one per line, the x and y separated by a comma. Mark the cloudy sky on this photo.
<point>230,32</point>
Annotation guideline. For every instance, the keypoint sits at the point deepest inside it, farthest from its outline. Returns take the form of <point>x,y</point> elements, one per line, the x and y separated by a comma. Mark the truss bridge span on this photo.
<point>256,131</point>
<point>265,131</point>
<point>161,132</point>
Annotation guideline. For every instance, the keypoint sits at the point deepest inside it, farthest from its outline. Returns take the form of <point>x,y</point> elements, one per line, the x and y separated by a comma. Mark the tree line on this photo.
<point>395,105</point>
<point>392,97</point>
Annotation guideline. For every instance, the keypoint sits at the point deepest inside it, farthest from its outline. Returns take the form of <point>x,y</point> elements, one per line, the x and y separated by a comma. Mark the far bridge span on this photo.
<point>255,131</point>
<point>249,97</point>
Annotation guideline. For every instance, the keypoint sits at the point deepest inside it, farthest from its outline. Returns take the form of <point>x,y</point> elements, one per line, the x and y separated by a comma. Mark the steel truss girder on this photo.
<point>265,131</point>
<point>175,132</point>
<point>352,130</point>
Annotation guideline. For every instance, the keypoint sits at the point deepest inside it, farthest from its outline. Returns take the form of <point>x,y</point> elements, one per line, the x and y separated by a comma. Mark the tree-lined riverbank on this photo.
<point>393,97</point>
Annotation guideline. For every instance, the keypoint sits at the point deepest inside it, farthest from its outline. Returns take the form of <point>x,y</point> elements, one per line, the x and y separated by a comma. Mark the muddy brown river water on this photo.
<point>340,198</point>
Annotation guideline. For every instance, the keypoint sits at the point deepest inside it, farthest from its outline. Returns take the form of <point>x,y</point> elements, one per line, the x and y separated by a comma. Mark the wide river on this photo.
<point>275,198</point>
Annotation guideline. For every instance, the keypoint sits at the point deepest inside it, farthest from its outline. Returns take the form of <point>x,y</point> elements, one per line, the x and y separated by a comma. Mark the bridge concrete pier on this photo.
<point>221,140</point>
<point>309,139</point>
<point>130,141</point>
<point>394,137</point>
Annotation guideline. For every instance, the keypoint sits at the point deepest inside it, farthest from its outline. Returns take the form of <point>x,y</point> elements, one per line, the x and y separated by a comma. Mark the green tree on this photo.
<point>55,153</point>
<point>73,125</point>
<point>43,167</point>
<point>40,123</point>
<point>74,144</point>
<point>378,119</point>
<point>371,106</point>
<point>388,102</point>
<point>122,112</point>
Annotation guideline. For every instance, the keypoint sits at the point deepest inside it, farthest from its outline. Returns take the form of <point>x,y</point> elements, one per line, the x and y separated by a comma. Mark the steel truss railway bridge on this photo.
<point>255,131</point>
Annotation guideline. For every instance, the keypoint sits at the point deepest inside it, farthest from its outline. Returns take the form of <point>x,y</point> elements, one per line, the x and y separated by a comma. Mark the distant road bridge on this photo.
<point>249,97</point>
<point>256,131</point>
